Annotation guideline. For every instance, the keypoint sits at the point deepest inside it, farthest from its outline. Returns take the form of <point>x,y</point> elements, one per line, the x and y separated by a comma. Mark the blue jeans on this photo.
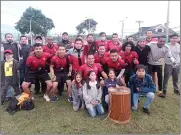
<point>98,109</point>
<point>9,93</point>
<point>149,98</point>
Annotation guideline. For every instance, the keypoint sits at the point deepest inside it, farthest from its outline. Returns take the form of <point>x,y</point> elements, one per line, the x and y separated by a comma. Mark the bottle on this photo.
<point>2,52</point>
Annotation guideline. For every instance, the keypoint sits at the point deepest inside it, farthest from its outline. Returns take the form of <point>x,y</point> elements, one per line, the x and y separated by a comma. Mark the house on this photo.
<point>157,30</point>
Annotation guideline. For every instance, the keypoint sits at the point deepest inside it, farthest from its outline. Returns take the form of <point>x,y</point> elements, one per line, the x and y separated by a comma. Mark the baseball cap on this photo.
<point>8,51</point>
<point>142,38</point>
<point>38,37</point>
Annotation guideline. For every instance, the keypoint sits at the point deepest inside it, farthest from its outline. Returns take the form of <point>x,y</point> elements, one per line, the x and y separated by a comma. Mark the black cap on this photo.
<point>38,37</point>
<point>65,33</point>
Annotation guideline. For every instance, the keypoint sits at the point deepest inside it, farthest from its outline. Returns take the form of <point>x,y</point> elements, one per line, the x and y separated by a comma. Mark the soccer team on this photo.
<point>89,68</point>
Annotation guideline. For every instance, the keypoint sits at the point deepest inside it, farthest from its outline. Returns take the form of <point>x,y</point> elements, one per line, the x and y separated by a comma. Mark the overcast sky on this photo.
<point>66,15</point>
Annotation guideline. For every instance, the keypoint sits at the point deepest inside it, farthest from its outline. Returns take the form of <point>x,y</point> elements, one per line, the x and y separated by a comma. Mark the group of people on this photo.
<point>89,68</point>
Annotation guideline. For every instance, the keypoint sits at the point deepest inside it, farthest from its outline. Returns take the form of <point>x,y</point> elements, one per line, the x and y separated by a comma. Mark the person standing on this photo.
<point>115,43</point>
<point>149,37</point>
<point>142,50</point>
<point>9,75</point>
<point>169,69</point>
<point>65,41</point>
<point>159,50</point>
<point>9,44</point>
<point>35,68</point>
<point>103,40</point>
<point>24,52</point>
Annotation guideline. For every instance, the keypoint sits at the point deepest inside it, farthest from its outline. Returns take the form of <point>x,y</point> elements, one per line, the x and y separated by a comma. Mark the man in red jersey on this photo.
<point>60,69</point>
<point>35,68</point>
<point>91,65</point>
<point>117,63</point>
<point>101,56</point>
<point>50,47</point>
<point>115,43</point>
<point>77,57</point>
<point>103,40</point>
<point>91,46</point>
<point>149,37</point>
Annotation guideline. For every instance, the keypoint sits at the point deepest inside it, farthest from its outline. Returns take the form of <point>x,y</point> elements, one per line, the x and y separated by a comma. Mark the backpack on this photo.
<point>13,107</point>
<point>27,105</point>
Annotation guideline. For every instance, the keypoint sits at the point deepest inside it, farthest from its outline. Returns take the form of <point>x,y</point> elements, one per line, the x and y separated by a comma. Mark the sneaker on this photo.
<point>159,92</point>
<point>54,99</point>
<point>70,99</point>
<point>46,97</point>
<point>177,92</point>
<point>2,102</point>
<point>162,95</point>
<point>145,110</point>
<point>134,109</point>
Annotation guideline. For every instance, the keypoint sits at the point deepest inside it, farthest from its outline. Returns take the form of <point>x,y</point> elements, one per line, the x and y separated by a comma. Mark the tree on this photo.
<point>40,24</point>
<point>88,25</point>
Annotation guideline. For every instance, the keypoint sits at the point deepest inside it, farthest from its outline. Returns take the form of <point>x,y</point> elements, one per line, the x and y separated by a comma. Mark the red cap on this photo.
<point>8,51</point>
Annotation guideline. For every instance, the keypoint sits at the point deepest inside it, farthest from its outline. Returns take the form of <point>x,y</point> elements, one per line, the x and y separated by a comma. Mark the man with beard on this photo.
<point>65,41</point>
<point>39,40</point>
<point>142,50</point>
<point>60,69</point>
<point>91,66</point>
<point>92,46</point>
<point>35,68</point>
<point>117,63</point>
<point>159,50</point>
<point>24,52</point>
<point>103,40</point>
<point>115,43</point>
<point>77,57</point>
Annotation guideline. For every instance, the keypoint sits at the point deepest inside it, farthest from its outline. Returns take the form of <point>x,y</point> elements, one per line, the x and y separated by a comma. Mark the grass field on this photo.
<point>59,118</point>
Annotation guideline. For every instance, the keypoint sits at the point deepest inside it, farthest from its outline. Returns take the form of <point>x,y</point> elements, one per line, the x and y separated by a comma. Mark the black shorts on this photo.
<point>42,76</point>
<point>154,68</point>
<point>61,77</point>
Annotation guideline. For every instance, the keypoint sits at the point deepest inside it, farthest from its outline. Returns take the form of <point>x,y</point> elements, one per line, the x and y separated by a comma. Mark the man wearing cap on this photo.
<point>142,50</point>
<point>9,75</point>
<point>65,41</point>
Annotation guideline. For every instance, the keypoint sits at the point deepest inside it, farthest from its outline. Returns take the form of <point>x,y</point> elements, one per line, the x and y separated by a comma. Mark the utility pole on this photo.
<point>30,30</point>
<point>139,25</point>
<point>122,30</point>
<point>168,14</point>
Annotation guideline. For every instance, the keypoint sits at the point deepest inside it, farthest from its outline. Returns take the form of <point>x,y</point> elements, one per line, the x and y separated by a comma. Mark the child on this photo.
<point>142,83</point>
<point>112,83</point>
<point>77,92</point>
<point>92,94</point>
<point>9,75</point>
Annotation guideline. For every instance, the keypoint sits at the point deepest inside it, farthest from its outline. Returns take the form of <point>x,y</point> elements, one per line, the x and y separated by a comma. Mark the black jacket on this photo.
<point>16,67</point>
<point>13,47</point>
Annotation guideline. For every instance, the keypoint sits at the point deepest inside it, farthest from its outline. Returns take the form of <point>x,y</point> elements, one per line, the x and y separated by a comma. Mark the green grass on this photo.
<point>59,118</point>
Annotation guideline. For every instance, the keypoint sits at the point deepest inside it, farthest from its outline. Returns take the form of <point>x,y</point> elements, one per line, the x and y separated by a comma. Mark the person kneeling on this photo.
<point>77,92</point>
<point>113,83</point>
<point>142,84</point>
<point>92,94</point>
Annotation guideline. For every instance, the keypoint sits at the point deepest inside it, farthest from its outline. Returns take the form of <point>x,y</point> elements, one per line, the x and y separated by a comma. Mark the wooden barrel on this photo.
<point>119,106</point>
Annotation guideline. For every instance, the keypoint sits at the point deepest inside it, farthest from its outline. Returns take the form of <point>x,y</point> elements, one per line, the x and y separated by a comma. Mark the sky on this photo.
<point>66,15</point>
